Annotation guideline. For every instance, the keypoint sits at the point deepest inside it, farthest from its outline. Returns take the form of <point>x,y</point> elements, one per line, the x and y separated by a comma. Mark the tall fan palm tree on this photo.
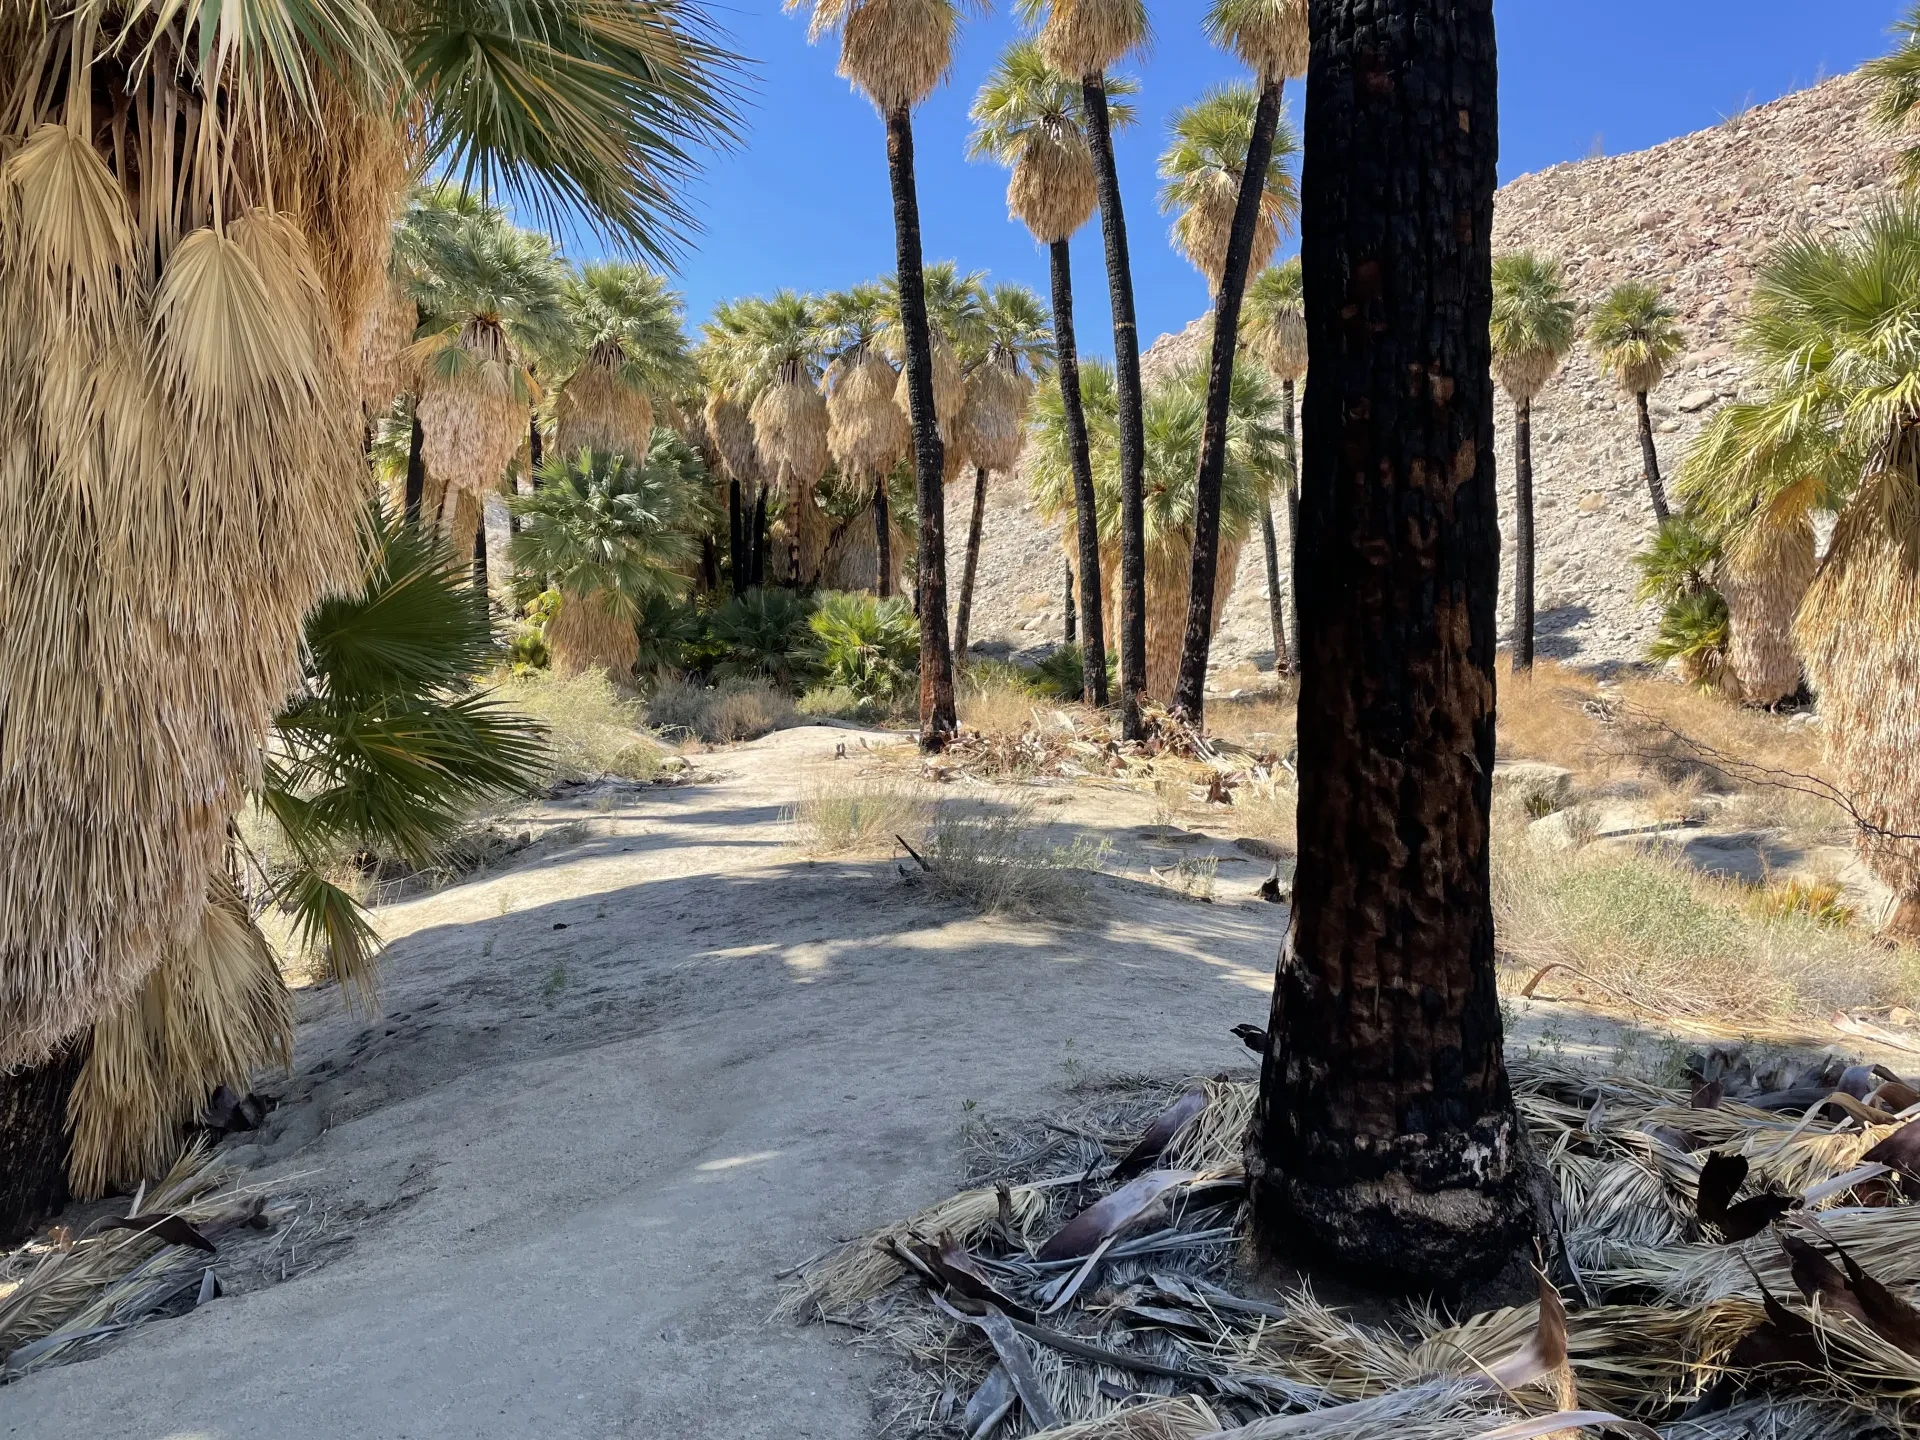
<point>1216,142</point>
<point>867,432</point>
<point>1533,328</point>
<point>1274,328</point>
<point>630,339</point>
<point>1086,38</point>
<point>1015,352</point>
<point>611,532</point>
<point>896,54</point>
<point>1634,336</point>
<point>1028,117</point>
<point>1834,337</point>
<point>215,309</point>
<point>1896,102</point>
<point>1384,1138</point>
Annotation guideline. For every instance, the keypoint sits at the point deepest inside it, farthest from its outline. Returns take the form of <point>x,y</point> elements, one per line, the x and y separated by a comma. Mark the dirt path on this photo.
<point>617,1086</point>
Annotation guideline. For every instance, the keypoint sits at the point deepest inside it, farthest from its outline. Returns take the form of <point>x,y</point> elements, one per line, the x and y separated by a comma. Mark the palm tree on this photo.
<point>1028,117</point>
<point>1014,352</point>
<point>631,344</point>
<point>1634,337</point>
<point>1384,1137</point>
<point>1216,142</point>
<point>896,54</point>
<point>867,432</point>
<point>610,532</point>
<point>1274,328</point>
<point>1897,101</point>
<point>1087,38</point>
<point>1832,341</point>
<point>237,293</point>
<point>1533,325</point>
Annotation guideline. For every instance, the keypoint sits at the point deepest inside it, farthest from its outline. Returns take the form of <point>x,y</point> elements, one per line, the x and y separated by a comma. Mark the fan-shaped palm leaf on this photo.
<point>1203,166</point>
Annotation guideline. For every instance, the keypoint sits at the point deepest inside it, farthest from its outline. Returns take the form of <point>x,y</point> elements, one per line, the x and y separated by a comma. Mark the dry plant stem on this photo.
<point>1275,606</point>
<point>1386,1138</point>
<point>937,718</point>
<point>1126,370</point>
<point>1189,697</point>
<point>1086,520</point>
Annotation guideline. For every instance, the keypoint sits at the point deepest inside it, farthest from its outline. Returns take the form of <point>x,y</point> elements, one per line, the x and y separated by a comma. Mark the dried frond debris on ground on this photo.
<point>1733,1258</point>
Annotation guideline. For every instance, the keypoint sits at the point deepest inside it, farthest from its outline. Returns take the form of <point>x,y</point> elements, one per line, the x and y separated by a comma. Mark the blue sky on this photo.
<point>804,202</point>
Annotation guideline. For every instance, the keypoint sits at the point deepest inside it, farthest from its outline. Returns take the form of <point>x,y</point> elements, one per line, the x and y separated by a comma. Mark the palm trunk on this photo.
<point>737,539</point>
<point>33,1141</point>
<point>965,611</point>
<point>1069,620</point>
<point>937,717</point>
<point>416,489</point>
<point>1190,693</point>
<point>1086,520</point>
<point>1293,531</point>
<point>1271,544</point>
<point>1126,374</point>
<point>1523,536</point>
<point>1650,459</point>
<point>760,541</point>
<point>1384,1137</point>
<point>480,551</point>
<point>883,537</point>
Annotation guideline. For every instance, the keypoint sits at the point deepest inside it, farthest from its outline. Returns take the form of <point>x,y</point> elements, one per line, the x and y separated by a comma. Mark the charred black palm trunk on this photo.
<point>883,537</point>
<point>964,612</point>
<point>1069,616</point>
<point>480,551</point>
<point>1384,1139</point>
<point>1189,694</point>
<point>33,1140</point>
<point>1282,660</point>
<point>1650,459</point>
<point>1293,529</point>
<point>937,718</point>
<point>759,541</point>
<point>1126,376</point>
<point>416,488</point>
<point>1522,536</point>
<point>1086,519</point>
<point>737,559</point>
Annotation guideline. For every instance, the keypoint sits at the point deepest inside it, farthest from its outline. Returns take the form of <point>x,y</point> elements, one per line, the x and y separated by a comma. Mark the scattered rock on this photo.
<point>1695,400</point>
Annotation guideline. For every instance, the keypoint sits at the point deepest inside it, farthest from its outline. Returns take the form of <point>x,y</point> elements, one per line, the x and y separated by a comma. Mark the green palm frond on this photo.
<point>1016,331</point>
<point>763,635</point>
<point>1678,562</point>
<point>749,343</point>
<point>603,525</point>
<point>1533,321</point>
<point>868,646</point>
<point>489,293</point>
<point>1634,335</point>
<point>956,307</point>
<point>1695,630</point>
<point>1023,96</point>
<point>595,106</point>
<point>626,310</point>
<point>1896,101</point>
<point>853,321</point>
<point>1050,470</point>
<point>1203,166</point>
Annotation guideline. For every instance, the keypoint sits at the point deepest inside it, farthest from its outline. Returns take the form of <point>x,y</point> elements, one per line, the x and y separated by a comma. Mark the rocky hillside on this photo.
<point>1695,216</point>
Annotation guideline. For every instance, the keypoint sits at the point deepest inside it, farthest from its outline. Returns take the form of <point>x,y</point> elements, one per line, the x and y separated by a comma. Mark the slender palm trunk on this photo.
<point>965,610</point>
<point>1086,520</point>
<point>416,490</point>
<point>737,539</point>
<point>1650,459</point>
<point>1384,1138</point>
<point>883,537</point>
<point>1523,535</point>
<point>480,551</point>
<point>1275,605</point>
<point>33,1140</point>
<point>759,541</point>
<point>1293,530</point>
<point>1126,375</point>
<point>1190,690</point>
<point>1069,619</point>
<point>937,718</point>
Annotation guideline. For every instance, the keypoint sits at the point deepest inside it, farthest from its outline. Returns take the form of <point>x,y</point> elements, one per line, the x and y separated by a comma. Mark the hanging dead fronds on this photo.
<point>1169,565</point>
<point>386,332</point>
<point>1764,580</point>
<point>592,633</point>
<point>212,1013</point>
<point>1269,35</point>
<point>1052,190</point>
<point>896,52</point>
<point>473,408</point>
<point>992,425</point>
<point>866,432</point>
<point>949,389</point>
<point>599,409</point>
<point>1085,37</point>
<point>790,432</point>
<point>732,435</point>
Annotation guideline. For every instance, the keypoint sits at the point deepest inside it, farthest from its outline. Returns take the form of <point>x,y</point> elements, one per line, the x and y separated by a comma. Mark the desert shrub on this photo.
<point>672,633</point>
<point>595,728</point>
<point>763,635</point>
<point>989,861</point>
<point>1063,674</point>
<point>728,710</point>
<point>993,698</point>
<point>1816,900</point>
<point>841,818</point>
<point>868,646</point>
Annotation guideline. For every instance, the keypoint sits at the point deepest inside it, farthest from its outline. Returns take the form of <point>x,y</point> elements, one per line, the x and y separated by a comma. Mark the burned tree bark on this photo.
<point>1385,1139</point>
<point>33,1140</point>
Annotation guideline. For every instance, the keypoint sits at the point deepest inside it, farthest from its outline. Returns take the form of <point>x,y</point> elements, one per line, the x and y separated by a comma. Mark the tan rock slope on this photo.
<point>1696,216</point>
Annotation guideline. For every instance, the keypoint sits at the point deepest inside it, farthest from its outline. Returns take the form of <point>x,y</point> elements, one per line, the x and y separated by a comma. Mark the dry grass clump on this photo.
<point>1540,717</point>
<point>719,714</point>
<point>1645,928</point>
<point>988,860</point>
<point>865,815</point>
<point>994,700</point>
<point>594,728</point>
<point>1264,721</point>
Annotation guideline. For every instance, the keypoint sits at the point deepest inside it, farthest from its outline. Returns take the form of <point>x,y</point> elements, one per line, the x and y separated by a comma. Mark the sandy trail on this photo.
<point>555,1178</point>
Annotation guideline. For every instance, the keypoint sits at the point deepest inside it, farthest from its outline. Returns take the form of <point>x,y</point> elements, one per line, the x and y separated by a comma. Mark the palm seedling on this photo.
<point>991,429</point>
<point>1228,155</point>
<point>1532,330</point>
<point>866,645</point>
<point>1677,571</point>
<point>867,433</point>
<point>1028,116</point>
<point>608,531</point>
<point>1273,327</point>
<point>1896,103</point>
<point>200,323</point>
<point>1634,338</point>
<point>896,54</point>
<point>1084,39</point>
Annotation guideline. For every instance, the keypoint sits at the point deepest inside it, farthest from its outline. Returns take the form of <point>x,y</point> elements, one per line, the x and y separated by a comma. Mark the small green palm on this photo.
<point>1896,102</point>
<point>602,524</point>
<point>1635,335</point>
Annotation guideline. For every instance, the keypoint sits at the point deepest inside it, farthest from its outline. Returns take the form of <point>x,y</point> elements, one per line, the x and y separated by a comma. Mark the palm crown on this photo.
<point>609,526</point>
<point>1202,168</point>
<point>1634,335</point>
<point>1897,101</point>
<point>1270,35</point>
<point>1273,319</point>
<point>1532,324</point>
